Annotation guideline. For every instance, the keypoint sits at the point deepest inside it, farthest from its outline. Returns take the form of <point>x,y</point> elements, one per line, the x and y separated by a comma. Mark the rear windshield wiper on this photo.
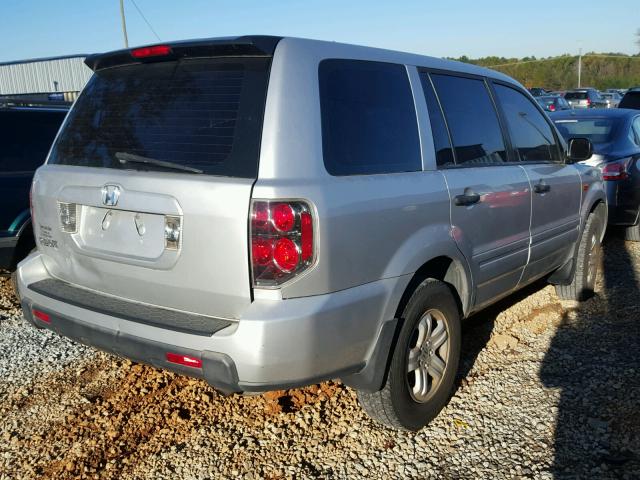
<point>125,157</point>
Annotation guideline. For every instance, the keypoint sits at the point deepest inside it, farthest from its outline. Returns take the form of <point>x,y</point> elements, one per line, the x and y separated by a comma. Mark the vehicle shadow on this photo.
<point>594,360</point>
<point>477,329</point>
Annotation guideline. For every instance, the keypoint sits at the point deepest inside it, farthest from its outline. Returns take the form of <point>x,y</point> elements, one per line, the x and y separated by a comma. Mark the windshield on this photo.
<point>203,114</point>
<point>598,130</point>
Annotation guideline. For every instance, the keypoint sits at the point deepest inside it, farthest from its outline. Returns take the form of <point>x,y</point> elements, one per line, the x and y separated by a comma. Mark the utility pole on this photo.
<point>124,25</point>
<point>579,66</point>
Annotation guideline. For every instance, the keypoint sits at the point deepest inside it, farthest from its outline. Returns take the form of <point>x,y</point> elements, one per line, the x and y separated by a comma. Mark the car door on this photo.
<point>490,196</point>
<point>556,186</point>
<point>26,136</point>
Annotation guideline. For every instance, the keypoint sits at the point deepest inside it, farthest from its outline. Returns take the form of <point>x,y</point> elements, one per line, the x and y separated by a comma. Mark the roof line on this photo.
<point>44,59</point>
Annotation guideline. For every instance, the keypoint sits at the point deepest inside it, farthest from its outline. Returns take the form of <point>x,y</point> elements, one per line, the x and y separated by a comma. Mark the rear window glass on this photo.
<point>630,100</point>
<point>26,137</point>
<point>544,101</point>
<point>598,130</point>
<point>203,114</point>
<point>369,121</point>
<point>576,95</point>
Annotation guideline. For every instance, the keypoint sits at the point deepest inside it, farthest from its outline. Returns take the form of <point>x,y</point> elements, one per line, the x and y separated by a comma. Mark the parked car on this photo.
<point>26,134</point>
<point>615,135</point>
<point>631,99</point>
<point>538,92</point>
<point>585,98</point>
<point>612,99</point>
<point>327,211</point>
<point>553,103</point>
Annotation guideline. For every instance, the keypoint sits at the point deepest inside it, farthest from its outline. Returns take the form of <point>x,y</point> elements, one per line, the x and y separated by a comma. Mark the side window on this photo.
<point>26,137</point>
<point>369,120</point>
<point>441,143</point>
<point>472,119</point>
<point>531,135</point>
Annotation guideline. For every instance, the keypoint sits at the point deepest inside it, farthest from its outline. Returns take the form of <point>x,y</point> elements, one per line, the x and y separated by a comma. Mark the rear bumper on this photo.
<point>622,203</point>
<point>621,215</point>
<point>276,344</point>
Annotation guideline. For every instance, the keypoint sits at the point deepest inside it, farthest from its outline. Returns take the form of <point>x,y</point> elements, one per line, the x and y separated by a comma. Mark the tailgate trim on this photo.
<point>128,310</point>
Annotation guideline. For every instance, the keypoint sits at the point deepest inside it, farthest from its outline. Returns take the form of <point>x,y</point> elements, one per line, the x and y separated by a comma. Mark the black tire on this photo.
<point>632,233</point>
<point>587,262</point>
<point>395,405</point>
<point>14,284</point>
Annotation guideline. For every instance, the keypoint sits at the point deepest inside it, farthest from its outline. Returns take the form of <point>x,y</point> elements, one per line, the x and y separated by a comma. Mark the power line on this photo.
<point>145,19</point>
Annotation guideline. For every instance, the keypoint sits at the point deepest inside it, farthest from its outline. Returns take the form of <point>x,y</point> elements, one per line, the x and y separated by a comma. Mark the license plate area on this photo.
<point>122,233</point>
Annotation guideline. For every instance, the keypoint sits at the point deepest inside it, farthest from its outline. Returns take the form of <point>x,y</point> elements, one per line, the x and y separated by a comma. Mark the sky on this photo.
<point>476,28</point>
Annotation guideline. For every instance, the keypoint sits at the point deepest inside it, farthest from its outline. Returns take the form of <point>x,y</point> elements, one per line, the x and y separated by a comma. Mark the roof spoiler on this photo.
<point>254,45</point>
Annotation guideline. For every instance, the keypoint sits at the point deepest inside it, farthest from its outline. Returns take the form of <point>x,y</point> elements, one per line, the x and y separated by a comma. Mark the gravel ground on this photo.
<point>547,389</point>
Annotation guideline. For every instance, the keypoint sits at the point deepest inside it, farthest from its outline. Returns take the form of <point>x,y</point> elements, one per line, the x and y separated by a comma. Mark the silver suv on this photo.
<point>266,213</point>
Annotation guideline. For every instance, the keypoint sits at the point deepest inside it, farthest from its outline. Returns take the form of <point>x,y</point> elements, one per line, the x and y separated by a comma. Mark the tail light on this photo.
<point>282,241</point>
<point>616,170</point>
<point>153,51</point>
<point>552,108</point>
<point>588,102</point>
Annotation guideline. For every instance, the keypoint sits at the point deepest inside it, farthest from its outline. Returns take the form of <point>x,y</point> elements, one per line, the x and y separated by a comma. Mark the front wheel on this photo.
<point>424,361</point>
<point>588,259</point>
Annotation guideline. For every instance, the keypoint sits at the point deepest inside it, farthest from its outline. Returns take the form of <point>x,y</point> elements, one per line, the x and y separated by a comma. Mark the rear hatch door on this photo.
<point>577,99</point>
<point>146,192</point>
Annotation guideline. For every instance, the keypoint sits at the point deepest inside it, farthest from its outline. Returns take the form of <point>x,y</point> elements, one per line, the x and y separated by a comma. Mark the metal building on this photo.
<point>66,74</point>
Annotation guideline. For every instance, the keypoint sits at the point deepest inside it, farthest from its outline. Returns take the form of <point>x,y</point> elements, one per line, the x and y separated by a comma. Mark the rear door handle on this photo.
<point>541,188</point>
<point>466,199</point>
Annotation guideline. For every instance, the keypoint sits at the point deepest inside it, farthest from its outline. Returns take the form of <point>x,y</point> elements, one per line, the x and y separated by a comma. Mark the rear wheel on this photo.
<point>424,362</point>
<point>588,260</point>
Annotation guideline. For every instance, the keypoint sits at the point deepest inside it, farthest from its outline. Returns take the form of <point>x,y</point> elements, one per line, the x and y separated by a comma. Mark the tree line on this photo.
<point>599,70</point>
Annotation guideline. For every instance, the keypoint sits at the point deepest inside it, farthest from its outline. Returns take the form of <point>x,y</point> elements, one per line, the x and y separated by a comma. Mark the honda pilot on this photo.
<point>266,213</point>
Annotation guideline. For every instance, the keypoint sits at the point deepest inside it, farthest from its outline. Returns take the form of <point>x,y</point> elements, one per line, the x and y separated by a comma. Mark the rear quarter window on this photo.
<point>369,123</point>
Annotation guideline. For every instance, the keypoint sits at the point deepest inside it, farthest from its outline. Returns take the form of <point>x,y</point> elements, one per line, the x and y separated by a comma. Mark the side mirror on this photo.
<point>579,149</point>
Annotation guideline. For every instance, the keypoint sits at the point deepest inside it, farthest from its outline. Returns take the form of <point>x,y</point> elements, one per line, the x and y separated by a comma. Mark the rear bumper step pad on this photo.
<point>128,310</point>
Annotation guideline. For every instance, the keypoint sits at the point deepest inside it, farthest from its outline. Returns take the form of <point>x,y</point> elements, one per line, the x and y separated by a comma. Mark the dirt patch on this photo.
<point>288,401</point>
<point>108,429</point>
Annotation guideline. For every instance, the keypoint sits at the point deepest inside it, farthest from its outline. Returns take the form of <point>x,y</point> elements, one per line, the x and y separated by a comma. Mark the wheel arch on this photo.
<point>564,274</point>
<point>446,269</point>
<point>449,269</point>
